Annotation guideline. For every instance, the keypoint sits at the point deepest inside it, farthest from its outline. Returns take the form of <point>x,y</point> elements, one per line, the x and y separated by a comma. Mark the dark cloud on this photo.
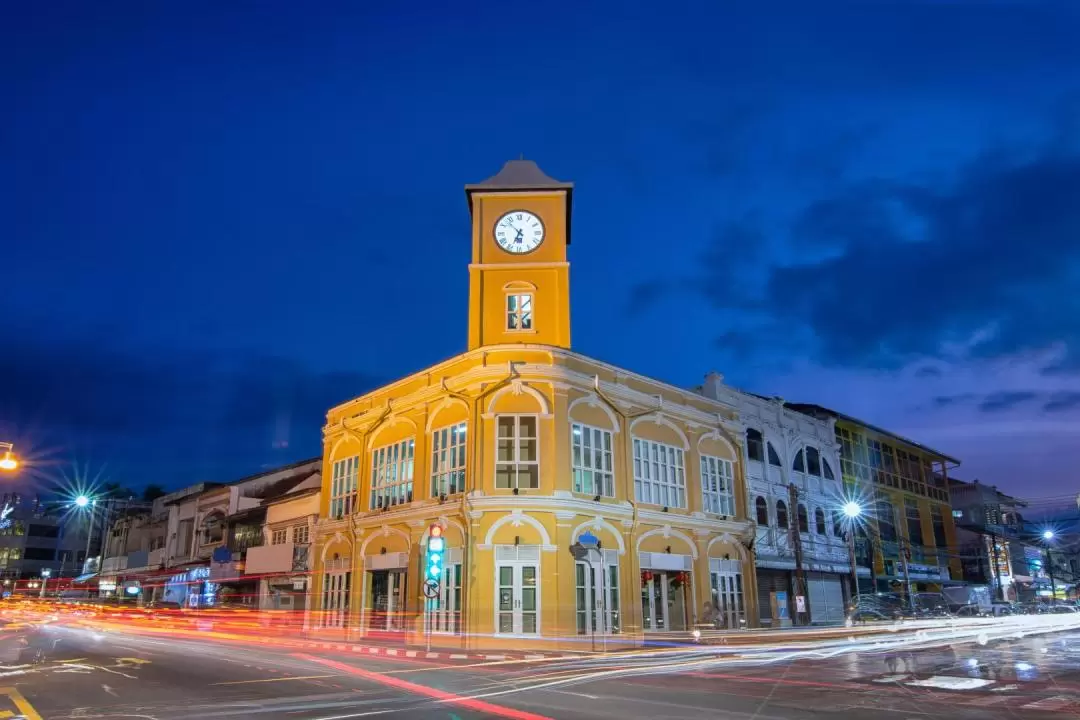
<point>928,371</point>
<point>167,417</point>
<point>1007,400</point>
<point>1062,401</point>
<point>891,271</point>
<point>943,401</point>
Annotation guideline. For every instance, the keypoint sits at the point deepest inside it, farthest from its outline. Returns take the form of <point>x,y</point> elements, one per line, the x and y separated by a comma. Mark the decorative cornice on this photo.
<point>551,374</point>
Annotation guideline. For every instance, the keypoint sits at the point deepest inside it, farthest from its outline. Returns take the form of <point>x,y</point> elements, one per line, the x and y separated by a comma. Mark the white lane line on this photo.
<point>947,682</point>
<point>577,694</point>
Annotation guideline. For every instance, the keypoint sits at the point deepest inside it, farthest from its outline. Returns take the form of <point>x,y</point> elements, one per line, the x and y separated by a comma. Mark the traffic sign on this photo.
<point>588,540</point>
<point>431,589</point>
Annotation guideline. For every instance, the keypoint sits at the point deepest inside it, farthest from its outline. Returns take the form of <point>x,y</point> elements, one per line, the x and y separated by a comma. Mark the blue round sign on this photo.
<point>587,539</point>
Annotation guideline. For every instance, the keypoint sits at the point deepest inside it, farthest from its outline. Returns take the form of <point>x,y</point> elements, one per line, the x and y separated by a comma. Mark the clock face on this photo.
<point>519,231</point>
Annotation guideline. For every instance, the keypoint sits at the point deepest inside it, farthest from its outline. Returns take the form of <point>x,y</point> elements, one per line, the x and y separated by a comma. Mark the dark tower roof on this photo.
<point>522,175</point>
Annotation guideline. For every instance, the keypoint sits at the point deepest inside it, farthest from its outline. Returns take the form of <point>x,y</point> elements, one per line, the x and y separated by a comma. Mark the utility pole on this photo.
<point>905,555</point>
<point>1050,572</point>
<point>854,567</point>
<point>800,575</point>
<point>999,593</point>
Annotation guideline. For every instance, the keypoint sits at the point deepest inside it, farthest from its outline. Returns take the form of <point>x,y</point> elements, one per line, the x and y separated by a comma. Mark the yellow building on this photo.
<point>904,488</point>
<point>516,448</point>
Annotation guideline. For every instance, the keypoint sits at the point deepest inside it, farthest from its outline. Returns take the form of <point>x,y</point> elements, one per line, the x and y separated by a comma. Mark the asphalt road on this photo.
<point>123,675</point>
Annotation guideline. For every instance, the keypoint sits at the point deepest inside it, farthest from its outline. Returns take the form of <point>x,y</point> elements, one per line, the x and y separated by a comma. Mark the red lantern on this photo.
<point>646,576</point>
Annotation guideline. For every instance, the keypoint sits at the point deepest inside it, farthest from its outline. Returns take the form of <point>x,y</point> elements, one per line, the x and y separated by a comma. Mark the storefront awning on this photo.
<point>84,578</point>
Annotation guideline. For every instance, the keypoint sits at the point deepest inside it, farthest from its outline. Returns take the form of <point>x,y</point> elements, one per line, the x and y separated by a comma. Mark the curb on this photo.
<point>434,655</point>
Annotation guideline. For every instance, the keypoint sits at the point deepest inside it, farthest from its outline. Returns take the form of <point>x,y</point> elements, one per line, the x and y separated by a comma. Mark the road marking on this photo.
<point>279,679</point>
<point>948,682</point>
<point>440,695</point>
<point>577,694</point>
<point>22,703</point>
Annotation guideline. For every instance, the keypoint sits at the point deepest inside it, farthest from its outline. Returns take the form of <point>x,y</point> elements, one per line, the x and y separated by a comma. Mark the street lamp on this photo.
<point>82,501</point>
<point>7,460</point>
<point>45,573</point>
<point>852,510</point>
<point>1048,536</point>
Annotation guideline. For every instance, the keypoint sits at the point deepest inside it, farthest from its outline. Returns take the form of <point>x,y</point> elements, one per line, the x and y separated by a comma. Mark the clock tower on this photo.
<point>519,278</point>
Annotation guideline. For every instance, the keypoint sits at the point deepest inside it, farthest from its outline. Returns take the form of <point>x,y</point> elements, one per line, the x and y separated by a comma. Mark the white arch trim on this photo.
<point>517,518</point>
<point>443,522</point>
<point>658,419</point>
<point>595,524</point>
<point>593,400</point>
<point>668,531</point>
<point>439,407</point>
<point>730,540</point>
<point>717,435</point>
<point>517,388</point>
<point>338,443</point>
<point>519,285</point>
<point>333,540</point>
<point>385,531</point>
<point>390,422</point>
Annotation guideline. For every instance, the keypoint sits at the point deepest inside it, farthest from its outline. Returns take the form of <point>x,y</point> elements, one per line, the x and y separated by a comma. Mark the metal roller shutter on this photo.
<point>826,598</point>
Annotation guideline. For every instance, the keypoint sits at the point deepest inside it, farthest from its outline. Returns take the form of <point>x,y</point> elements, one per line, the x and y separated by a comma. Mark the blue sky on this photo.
<point>219,219</point>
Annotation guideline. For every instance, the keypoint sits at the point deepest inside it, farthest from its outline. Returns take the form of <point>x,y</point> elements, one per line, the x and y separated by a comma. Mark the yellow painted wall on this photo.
<point>550,516</point>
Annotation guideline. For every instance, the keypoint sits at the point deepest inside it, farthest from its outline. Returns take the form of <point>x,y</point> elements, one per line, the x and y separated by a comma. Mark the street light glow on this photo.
<point>8,461</point>
<point>852,509</point>
<point>82,501</point>
<point>1048,534</point>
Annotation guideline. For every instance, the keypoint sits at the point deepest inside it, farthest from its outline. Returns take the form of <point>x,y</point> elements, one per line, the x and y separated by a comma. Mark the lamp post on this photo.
<point>84,503</point>
<point>1047,536</point>
<point>852,510</point>
<point>8,461</point>
<point>45,573</point>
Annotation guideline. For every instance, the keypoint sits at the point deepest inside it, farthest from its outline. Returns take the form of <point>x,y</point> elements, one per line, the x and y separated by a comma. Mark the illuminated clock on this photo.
<point>519,232</point>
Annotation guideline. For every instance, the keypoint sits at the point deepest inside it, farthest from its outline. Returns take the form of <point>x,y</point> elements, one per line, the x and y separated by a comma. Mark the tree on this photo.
<point>152,492</point>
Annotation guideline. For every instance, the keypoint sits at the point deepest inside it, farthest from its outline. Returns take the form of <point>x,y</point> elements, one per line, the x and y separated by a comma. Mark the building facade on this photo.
<point>516,448</point>
<point>794,492</point>
<point>190,547</point>
<point>282,563</point>
<point>988,527</point>
<point>906,534</point>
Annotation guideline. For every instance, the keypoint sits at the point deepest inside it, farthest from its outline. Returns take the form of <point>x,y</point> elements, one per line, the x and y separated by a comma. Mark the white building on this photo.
<point>793,484</point>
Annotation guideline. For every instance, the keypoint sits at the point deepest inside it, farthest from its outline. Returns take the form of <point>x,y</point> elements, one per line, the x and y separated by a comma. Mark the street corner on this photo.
<point>14,705</point>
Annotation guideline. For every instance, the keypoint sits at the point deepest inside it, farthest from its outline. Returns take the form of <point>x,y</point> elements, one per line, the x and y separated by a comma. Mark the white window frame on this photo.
<point>344,484</point>
<point>517,612</point>
<point>717,485</point>
<point>301,534</point>
<point>279,536</point>
<point>659,473</point>
<point>520,312</point>
<point>449,449</point>
<point>392,474</point>
<point>599,468</point>
<point>517,463</point>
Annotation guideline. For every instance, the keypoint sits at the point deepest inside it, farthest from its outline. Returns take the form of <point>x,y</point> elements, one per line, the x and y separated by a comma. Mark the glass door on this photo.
<point>517,601</point>
<point>654,606</point>
<point>446,613</point>
<point>597,595</point>
<point>727,598</point>
<point>386,600</point>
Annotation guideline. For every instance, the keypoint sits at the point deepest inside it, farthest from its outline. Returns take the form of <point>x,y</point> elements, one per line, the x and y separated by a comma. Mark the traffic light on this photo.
<point>435,547</point>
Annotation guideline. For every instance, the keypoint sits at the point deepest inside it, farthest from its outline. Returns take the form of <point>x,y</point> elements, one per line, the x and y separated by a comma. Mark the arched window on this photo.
<point>761,508</point>
<point>797,464</point>
<point>819,521</point>
<point>774,458</point>
<point>781,515</point>
<point>827,469</point>
<point>213,528</point>
<point>813,462</point>
<point>837,524</point>
<point>804,520</point>
<point>754,445</point>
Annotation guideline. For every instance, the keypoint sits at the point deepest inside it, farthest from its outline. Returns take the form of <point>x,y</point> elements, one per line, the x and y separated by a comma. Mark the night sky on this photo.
<point>219,219</point>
